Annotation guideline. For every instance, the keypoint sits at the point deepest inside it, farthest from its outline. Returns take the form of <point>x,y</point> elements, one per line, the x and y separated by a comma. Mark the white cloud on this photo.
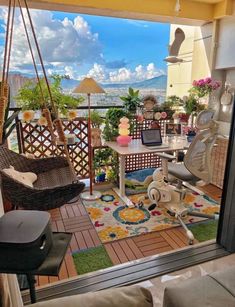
<point>122,75</point>
<point>70,47</point>
<point>66,42</point>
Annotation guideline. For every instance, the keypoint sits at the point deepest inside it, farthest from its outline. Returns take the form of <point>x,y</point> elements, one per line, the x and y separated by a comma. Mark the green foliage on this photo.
<point>112,174</point>
<point>131,100</point>
<point>112,119</point>
<point>192,105</point>
<point>96,119</point>
<point>172,102</point>
<point>102,157</point>
<point>29,96</point>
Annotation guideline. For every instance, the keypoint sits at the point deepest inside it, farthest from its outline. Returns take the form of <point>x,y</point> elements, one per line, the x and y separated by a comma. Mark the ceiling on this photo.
<point>208,1</point>
<point>193,12</point>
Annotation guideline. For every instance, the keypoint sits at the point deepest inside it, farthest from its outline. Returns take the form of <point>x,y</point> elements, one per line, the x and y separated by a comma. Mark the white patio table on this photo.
<point>174,143</point>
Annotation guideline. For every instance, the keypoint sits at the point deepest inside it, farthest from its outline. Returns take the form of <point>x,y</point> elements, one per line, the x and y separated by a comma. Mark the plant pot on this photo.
<point>101,177</point>
<point>190,138</point>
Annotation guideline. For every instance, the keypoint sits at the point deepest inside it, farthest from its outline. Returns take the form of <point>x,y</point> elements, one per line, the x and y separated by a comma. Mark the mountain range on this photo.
<point>159,82</point>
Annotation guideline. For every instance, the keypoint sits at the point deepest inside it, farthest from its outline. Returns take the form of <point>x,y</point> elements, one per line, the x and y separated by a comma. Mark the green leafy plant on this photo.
<point>96,119</point>
<point>173,102</point>
<point>112,119</point>
<point>131,100</point>
<point>112,173</point>
<point>101,159</point>
<point>192,105</point>
<point>29,96</point>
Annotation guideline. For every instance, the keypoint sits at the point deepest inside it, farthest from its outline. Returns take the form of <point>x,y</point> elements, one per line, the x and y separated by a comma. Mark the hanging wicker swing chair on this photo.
<point>56,182</point>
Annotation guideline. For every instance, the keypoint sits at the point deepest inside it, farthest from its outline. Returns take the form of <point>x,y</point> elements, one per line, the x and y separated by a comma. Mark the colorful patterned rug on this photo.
<point>114,221</point>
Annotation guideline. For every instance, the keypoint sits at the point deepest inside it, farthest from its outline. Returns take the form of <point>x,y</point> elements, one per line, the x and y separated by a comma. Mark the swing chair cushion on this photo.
<point>27,178</point>
<point>54,187</point>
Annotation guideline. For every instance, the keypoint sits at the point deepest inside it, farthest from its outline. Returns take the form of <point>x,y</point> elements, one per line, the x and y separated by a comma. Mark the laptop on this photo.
<point>152,138</point>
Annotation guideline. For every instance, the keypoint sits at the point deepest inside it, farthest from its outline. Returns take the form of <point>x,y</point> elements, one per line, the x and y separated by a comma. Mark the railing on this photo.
<point>36,140</point>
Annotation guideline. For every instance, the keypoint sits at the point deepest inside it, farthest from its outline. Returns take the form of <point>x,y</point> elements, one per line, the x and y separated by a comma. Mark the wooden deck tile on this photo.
<point>76,210</point>
<point>157,251</point>
<point>112,254</point>
<point>136,251</point>
<point>63,212</point>
<point>127,250</point>
<point>74,244</point>
<point>70,211</point>
<point>150,241</point>
<point>43,280</point>
<point>119,251</point>
<point>60,226</point>
<point>70,266</point>
<point>153,246</point>
<point>146,236</point>
<point>82,209</point>
<point>169,240</point>
<point>95,237</point>
<point>88,239</point>
<point>173,234</point>
<point>80,239</point>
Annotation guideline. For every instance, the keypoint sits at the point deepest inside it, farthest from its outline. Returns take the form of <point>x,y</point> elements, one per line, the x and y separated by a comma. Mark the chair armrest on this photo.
<point>166,156</point>
<point>42,165</point>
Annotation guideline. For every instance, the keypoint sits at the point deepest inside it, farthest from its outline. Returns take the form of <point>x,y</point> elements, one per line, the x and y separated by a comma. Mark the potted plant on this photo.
<point>96,122</point>
<point>29,97</point>
<point>102,158</point>
<point>131,100</point>
<point>190,132</point>
<point>96,119</point>
<point>171,105</point>
<point>112,118</point>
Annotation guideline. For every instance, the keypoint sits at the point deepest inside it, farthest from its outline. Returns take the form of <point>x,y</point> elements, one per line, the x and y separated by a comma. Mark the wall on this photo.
<point>201,46</point>
<point>195,52</point>
<point>224,71</point>
<point>226,45</point>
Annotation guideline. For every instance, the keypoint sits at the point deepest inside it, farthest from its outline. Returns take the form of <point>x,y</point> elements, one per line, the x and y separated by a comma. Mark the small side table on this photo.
<point>50,266</point>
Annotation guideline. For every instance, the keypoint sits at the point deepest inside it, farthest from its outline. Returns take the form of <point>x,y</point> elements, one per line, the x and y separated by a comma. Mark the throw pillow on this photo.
<point>27,178</point>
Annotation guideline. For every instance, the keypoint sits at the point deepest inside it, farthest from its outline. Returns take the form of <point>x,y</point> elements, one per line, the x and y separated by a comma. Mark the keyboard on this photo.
<point>157,146</point>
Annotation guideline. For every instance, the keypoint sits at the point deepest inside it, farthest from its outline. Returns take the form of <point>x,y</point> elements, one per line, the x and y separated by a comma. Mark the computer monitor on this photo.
<point>151,137</point>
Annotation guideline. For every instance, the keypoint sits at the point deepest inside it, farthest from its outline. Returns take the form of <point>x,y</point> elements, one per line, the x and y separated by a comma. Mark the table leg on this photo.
<point>122,161</point>
<point>121,191</point>
<point>31,282</point>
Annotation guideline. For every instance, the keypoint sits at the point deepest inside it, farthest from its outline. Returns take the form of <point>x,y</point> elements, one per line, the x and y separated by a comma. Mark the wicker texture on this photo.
<point>53,188</point>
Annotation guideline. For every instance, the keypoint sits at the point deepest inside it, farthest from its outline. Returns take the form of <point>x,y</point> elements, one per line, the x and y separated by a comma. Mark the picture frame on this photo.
<point>173,129</point>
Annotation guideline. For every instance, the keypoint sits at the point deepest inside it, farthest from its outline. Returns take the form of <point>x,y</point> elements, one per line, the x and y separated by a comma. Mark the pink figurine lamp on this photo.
<point>124,129</point>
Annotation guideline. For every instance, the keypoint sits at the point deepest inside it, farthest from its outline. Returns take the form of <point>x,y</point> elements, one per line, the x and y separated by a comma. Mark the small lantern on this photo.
<point>124,129</point>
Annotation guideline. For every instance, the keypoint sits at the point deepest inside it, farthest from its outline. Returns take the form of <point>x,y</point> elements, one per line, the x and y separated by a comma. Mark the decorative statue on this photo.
<point>96,137</point>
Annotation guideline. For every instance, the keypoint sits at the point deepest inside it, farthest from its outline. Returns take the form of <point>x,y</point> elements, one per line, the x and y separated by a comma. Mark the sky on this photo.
<point>111,50</point>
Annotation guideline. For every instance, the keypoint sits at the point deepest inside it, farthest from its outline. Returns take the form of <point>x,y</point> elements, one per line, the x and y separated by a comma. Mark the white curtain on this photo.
<point>9,288</point>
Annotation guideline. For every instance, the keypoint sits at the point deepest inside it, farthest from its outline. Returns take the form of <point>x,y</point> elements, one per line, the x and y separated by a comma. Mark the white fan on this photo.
<point>175,47</point>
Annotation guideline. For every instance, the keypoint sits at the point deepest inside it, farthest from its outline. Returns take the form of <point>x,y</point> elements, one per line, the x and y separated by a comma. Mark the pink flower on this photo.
<point>107,209</point>
<point>164,115</point>
<point>208,80</point>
